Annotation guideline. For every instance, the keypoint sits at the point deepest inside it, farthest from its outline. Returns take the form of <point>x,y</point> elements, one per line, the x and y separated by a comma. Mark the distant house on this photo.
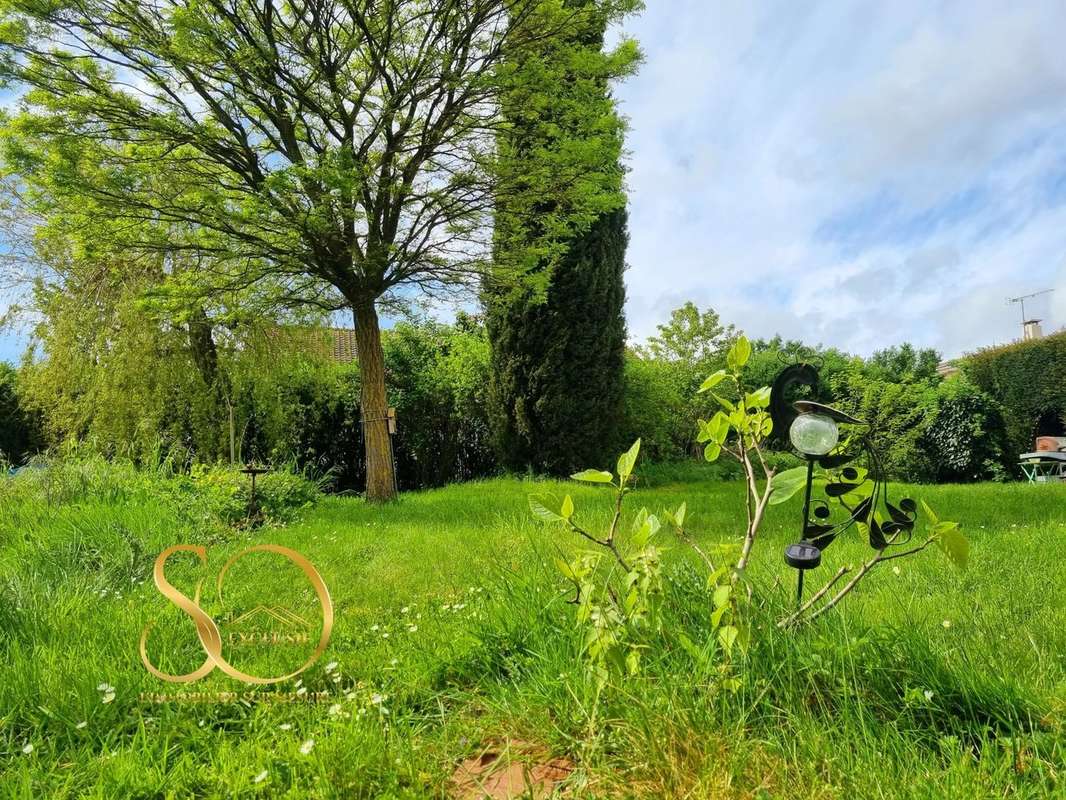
<point>337,344</point>
<point>947,369</point>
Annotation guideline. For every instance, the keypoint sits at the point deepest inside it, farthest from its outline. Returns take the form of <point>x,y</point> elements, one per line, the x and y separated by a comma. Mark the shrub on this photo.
<point>653,409</point>
<point>20,433</point>
<point>438,379</point>
<point>221,494</point>
<point>966,439</point>
<point>1028,379</point>
<point>898,415</point>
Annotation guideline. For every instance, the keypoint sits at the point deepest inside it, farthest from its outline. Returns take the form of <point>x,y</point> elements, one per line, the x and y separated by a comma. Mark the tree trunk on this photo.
<point>380,473</point>
<point>205,357</point>
<point>202,345</point>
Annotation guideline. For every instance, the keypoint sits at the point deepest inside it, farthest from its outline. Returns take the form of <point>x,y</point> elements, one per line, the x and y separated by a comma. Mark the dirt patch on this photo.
<point>511,769</point>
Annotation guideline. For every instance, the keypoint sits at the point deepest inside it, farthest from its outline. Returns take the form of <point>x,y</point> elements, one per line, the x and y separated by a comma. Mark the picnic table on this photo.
<point>1043,466</point>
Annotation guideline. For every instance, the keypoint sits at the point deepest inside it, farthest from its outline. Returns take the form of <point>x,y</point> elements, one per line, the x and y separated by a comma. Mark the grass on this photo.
<point>451,632</point>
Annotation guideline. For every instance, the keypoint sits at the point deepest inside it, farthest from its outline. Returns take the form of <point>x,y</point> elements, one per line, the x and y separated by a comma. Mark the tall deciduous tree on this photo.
<point>344,150</point>
<point>558,355</point>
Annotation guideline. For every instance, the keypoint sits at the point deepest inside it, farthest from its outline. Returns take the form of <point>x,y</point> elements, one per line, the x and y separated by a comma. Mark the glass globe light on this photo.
<point>814,434</point>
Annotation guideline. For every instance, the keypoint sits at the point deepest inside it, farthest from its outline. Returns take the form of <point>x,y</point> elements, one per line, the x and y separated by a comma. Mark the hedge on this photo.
<point>1028,379</point>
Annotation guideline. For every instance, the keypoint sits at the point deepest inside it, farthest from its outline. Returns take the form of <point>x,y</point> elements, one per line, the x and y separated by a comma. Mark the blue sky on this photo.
<point>856,174</point>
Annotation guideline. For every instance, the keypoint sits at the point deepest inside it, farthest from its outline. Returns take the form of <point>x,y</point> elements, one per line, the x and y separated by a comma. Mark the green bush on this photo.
<point>1028,379</point>
<point>966,439</point>
<point>897,413</point>
<point>927,429</point>
<point>20,432</point>
<point>653,409</point>
<point>437,377</point>
<point>206,497</point>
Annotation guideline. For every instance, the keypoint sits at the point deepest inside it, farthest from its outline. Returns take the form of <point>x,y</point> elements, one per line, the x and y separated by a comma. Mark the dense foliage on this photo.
<point>926,429</point>
<point>291,402</point>
<point>125,383</point>
<point>1029,381</point>
<point>20,433</point>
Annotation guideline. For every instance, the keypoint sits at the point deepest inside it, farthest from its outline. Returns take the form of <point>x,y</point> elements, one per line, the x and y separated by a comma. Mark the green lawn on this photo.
<point>452,634</point>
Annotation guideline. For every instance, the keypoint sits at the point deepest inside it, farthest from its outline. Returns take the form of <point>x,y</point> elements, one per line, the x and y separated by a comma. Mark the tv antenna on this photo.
<point>1025,297</point>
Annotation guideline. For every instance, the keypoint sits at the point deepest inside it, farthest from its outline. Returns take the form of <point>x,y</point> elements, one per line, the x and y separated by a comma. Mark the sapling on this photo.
<point>619,602</point>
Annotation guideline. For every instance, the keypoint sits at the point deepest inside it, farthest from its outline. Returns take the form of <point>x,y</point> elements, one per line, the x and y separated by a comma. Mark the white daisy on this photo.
<point>28,748</point>
<point>286,726</point>
<point>307,747</point>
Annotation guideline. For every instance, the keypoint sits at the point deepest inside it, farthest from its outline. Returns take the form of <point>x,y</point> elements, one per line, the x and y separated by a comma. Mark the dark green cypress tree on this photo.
<point>557,364</point>
<point>558,351</point>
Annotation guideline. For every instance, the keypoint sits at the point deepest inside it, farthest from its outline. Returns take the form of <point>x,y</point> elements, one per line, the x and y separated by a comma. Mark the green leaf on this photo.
<point>640,538</point>
<point>784,485</point>
<point>566,569</point>
<point>727,635</point>
<point>593,476</point>
<point>722,594</point>
<point>712,451</point>
<point>712,381</point>
<point>679,515</point>
<point>541,511</point>
<point>726,404</point>
<point>639,519</point>
<point>717,430</point>
<point>648,528</point>
<point>929,513</point>
<point>627,461</point>
<point>716,617</point>
<point>738,354</point>
<point>719,427</point>
<point>689,647</point>
<point>758,399</point>
<point>706,433</point>
<point>714,577</point>
<point>954,544</point>
<point>633,662</point>
<point>568,508</point>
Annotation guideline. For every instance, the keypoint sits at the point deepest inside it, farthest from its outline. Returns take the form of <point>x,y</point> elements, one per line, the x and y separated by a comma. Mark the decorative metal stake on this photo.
<point>812,429</point>
<point>254,516</point>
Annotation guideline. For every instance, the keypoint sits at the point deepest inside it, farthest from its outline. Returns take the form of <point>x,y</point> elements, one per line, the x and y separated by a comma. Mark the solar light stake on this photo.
<point>861,495</point>
<point>253,500</point>
<point>802,556</point>
<point>813,431</point>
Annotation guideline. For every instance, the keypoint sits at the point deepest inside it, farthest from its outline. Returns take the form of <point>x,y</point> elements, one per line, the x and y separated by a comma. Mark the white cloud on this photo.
<point>857,175</point>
